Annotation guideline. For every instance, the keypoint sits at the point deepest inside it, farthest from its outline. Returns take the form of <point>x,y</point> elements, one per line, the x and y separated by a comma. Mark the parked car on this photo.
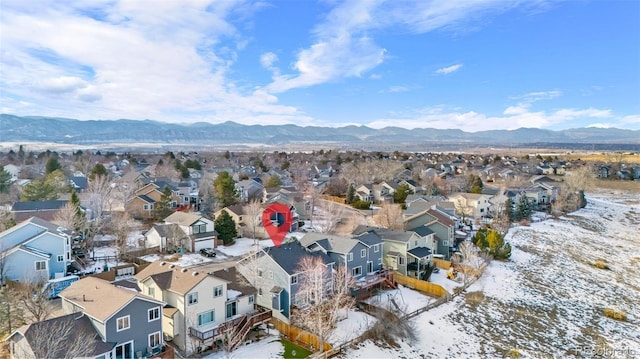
<point>208,252</point>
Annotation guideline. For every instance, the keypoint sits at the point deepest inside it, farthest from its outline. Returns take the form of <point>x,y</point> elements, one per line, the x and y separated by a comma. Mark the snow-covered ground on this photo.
<point>548,300</point>
<point>269,347</point>
<point>242,246</point>
<point>408,300</point>
<point>185,259</point>
<point>353,324</point>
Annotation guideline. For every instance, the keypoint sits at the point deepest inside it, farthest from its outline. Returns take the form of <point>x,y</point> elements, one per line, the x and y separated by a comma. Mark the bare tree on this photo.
<point>332,215</point>
<point>313,195</point>
<point>470,262</point>
<point>389,216</point>
<point>99,194</point>
<point>11,312</point>
<point>35,298</point>
<point>249,268</point>
<point>121,226</point>
<point>67,217</point>
<point>323,297</point>
<point>60,338</point>
<point>252,217</point>
<point>463,207</point>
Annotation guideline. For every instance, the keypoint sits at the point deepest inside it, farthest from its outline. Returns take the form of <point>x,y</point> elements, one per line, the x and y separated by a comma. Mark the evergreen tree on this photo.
<point>52,165</point>
<point>163,207</point>
<point>39,190</point>
<point>80,215</point>
<point>5,179</point>
<point>401,193</point>
<point>274,181</point>
<point>523,209</point>
<point>226,228</point>
<point>508,207</point>
<point>477,185</point>
<point>492,242</point>
<point>97,170</point>
<point>224,189</point>
<point>351,194</point>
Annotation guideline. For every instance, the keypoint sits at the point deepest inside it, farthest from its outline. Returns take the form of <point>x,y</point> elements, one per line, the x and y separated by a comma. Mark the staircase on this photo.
<point>241,326</point>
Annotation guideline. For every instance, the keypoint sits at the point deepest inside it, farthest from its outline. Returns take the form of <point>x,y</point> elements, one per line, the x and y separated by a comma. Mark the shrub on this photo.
<point>601,265</point>
<point>514,353</point>
<point>615,314</point>
<point>361,205</point>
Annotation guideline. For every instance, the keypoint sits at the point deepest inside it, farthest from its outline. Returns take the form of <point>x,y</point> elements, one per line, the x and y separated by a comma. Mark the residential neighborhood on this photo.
<point>142,259</point>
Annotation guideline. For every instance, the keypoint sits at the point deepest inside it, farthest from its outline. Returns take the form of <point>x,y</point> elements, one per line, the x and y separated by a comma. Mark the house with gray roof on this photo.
<point>279,276</point>
<point>45,210</point>
<point>362,255</point>
<point>404,251</point>
<point>77,336</point>
<point>35,249</point>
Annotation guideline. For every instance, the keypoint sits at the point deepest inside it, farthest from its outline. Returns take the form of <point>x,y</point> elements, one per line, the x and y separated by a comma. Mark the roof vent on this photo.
<point>183,270</point>
<point>172,266</point>
<point>194,274</point>
<point>163,263</point>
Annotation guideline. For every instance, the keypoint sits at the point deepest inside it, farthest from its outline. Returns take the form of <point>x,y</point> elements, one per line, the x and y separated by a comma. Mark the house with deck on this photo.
<point>203,309</point>
<point>276,274</point>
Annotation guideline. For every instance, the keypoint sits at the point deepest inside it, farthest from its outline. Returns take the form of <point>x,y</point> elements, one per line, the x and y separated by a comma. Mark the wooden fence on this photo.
<point>299,336</point>
<point>428,288</point>
<point>335,199</point>
<point>442,264</point>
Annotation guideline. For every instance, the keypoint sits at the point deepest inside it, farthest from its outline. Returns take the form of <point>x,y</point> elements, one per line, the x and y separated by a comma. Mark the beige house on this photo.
<point>202,308</point>
<point>199,229</point>
<point>471,205</point>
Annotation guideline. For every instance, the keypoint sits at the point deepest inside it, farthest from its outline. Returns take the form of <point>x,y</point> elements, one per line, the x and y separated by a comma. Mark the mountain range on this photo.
<point>96,132</point>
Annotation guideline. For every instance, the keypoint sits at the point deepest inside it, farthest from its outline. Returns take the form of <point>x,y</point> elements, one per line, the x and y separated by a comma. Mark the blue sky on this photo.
<point>473,64</point>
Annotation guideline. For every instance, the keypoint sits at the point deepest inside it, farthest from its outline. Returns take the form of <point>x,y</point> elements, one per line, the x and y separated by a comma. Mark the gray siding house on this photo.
<point>131,320</point>
<point>361,255</point>
<point>278,275</point>
<point>35,249</point>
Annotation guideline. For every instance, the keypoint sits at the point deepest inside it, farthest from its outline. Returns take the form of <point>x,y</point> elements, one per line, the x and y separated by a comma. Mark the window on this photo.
<point>174,204</point>
<point>270,274</point>
<point>199,228</point>
<point>60,258</point>
<point>349,257</point>
<point>294,280</point>
<point>206,317</point>
<point>154,340</point>
<point>41,265</point>
<point>154,314</point>
<point>415,243</point>
<point>356,271</point>
<point>251,299</point>
<point>192,298</point>
<point>148,207</point>
<point>122,323</point>
<point>68,256</point>
<point>217,291</point>
<point>376,248</point>
<point>363,253</point>
<point>400,260</point>
<point>259,291</point>
<point>151,292</point>
<point>260,273</point>
<point>481,210</point>
<point>379,260</point>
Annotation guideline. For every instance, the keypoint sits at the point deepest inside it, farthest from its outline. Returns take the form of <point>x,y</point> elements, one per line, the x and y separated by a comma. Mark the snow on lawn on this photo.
<point>353,324</point>
<point>243,246</point>
<point>441,279</point>
<point>548,299</point>
<point>408,300</point>
<point>269,347</point>
<point>184,259</point>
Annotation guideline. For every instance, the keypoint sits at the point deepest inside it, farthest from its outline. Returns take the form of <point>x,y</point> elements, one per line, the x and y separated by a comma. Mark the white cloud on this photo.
<point>268,59</point>
<point>396,89</point>
<point>343,45</point>
<point>513,117</point>
<point>168,62</point>
<point>538,96</point>
<point>601,125</point>
<point>449,69</point>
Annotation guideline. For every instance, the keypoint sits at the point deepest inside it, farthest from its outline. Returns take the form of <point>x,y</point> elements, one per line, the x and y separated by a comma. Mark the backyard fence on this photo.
<point>432,289</point>
<point>442,264</point>
<point>298,335</point>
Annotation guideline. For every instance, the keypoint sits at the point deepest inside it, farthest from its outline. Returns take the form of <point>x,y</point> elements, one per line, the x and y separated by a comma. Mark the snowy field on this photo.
<point>548,300</point>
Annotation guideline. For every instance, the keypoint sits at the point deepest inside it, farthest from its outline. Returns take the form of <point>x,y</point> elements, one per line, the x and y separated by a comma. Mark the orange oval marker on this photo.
<point>277,220</point>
